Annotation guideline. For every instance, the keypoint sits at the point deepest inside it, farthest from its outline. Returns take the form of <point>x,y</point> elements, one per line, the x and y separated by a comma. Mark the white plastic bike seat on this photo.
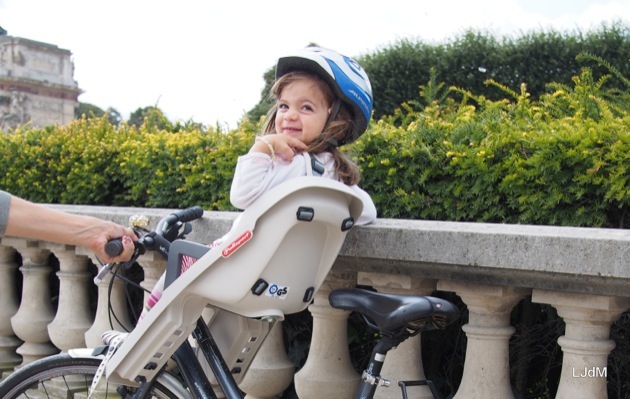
<point>273,260</point>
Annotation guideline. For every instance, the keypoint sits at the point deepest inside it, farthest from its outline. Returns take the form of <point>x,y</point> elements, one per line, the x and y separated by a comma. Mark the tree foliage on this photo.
<point>92,111</point>
<point>468,60</point>
<point>151,116</point>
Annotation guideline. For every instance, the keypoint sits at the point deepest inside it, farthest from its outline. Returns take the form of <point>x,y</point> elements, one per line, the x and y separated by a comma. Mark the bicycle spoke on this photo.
<point>64,377</point>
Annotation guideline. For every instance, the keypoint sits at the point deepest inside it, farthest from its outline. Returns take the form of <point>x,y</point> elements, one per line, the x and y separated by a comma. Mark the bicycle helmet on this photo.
<point>347,78</point>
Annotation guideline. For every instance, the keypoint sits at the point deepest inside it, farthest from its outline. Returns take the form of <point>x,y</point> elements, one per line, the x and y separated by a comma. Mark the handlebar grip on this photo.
<point>114,247</point>
<point>189,214</point>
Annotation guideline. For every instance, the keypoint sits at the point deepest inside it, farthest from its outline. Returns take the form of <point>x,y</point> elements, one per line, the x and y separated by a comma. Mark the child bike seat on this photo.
<point>273,260</point>
<point>389,313</point>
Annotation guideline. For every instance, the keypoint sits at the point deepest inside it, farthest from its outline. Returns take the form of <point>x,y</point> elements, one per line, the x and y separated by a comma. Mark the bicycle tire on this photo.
<point>63,377</point>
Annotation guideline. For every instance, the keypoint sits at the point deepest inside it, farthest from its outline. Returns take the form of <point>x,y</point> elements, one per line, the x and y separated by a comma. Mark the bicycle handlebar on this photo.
<point>181,216</point>
<point>189,214</point>
<point>114,247</point>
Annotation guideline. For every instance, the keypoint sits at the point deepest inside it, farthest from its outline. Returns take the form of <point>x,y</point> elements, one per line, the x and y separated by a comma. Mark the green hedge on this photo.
<point>562,159</point>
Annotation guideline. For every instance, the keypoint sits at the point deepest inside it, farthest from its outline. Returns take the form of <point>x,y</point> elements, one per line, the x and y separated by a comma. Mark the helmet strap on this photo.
<point>334,110</point>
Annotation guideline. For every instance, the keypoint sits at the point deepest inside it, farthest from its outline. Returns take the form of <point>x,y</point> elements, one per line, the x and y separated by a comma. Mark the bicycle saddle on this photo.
<point>389,313</point>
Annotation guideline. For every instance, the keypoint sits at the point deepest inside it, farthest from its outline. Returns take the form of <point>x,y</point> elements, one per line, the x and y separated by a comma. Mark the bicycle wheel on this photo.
<point>65,377</point>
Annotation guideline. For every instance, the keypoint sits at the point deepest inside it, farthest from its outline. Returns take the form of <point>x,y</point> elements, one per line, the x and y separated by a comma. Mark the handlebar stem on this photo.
<point>157,243</point>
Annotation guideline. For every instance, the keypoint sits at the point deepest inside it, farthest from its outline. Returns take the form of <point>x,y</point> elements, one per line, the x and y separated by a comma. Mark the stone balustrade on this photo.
<point>583,273</point>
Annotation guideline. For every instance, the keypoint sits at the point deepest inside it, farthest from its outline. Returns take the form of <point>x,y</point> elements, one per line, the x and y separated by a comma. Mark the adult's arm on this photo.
<point>29,220</point>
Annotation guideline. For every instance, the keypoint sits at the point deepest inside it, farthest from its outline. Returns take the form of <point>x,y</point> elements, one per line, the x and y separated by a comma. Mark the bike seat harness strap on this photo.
<point>315,167</point>
<point>389,313</point>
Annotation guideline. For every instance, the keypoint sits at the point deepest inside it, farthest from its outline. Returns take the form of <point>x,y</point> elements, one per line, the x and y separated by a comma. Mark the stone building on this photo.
<point>36,83</point>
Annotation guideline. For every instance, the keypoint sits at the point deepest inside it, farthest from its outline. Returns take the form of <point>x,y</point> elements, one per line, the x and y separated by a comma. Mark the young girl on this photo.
<point>323,100</point>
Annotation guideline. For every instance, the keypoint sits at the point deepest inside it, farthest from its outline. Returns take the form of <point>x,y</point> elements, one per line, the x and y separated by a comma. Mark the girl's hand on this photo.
<point>281,146</point>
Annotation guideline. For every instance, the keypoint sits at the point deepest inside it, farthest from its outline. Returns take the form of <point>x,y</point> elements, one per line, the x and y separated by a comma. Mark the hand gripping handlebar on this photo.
<point>165,227</point>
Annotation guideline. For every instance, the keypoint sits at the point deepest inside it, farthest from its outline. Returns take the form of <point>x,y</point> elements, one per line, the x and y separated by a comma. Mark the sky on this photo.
<point>204,60</point>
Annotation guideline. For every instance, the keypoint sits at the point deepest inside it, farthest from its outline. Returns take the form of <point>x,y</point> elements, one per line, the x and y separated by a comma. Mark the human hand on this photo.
<point>282,146</point>
<point>105,231</point>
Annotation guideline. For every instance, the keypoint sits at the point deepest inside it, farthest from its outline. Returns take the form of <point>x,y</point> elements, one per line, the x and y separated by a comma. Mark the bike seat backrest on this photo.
<point>278,251</point>
<point>390,313</point>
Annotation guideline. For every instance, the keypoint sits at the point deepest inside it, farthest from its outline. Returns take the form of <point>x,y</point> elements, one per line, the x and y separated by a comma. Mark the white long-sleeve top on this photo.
<point>256,173</point>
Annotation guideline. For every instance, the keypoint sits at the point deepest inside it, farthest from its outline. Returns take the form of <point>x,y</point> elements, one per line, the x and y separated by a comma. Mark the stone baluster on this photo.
<point>585,343</point>
<point>487,367</point>
<point>8,307</point>
<point>74,316</point>
<point>328,371</point>
<point>109,304</point>
<point>403,363</point>
<point>36,309</point>
<point>271,371</point>
<point>153,266</point>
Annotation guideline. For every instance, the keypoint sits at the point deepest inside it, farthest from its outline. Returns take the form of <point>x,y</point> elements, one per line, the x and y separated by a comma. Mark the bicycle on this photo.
<point>265,290</point>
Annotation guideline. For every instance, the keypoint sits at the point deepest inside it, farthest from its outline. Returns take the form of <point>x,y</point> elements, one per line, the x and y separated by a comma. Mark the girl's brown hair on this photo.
<point>335,132</point>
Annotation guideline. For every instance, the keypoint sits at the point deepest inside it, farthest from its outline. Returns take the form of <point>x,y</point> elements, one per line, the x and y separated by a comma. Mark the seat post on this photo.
<point>371,377</point>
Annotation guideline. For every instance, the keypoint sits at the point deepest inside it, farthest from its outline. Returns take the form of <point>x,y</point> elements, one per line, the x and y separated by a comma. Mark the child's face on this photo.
<point>302,111</point>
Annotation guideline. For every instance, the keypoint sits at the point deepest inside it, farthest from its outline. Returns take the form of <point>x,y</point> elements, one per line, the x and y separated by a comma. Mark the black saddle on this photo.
<point>390,313</point>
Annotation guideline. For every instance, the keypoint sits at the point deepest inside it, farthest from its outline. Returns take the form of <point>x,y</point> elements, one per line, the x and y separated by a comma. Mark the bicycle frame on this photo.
<point>193,373</point>
<point>200,387</point>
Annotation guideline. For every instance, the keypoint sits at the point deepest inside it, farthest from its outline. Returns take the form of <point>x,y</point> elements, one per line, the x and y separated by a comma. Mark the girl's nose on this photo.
<point>291,114</point>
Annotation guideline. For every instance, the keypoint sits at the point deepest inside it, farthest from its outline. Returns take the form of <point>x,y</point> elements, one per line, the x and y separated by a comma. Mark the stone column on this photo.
<point>585,343</point>
<point>108,305</point>
<point>153,266</point>
<point>403,363</point>
<point>328,371</point>
<point>487,366</point>
<point>36,309</point>
<point>271,371</point>
<point>74,316</point>
<point>8,307</point>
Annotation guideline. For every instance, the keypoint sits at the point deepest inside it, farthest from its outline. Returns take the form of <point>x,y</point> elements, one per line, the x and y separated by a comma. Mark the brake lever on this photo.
<point>187,229</point>
<point>172,232</point>
<point>102,273</point>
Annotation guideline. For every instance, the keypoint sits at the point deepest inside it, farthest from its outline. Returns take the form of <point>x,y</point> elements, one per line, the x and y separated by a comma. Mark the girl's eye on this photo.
<point>307,108</point>
<point>282,106</point>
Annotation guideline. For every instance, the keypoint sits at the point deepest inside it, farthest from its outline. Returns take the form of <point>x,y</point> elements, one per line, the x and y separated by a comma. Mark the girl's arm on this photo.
<point>369,209</point>
<point>272,159</point>
<point>252,177</point>
<point>256,173</point>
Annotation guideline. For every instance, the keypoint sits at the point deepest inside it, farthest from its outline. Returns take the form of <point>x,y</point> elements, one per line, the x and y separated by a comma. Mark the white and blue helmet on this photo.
<point>347,78</point>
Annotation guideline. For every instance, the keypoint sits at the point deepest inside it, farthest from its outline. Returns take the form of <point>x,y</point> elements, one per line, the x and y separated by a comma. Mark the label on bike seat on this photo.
<point>236,244</point>
<point>277,291</point>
